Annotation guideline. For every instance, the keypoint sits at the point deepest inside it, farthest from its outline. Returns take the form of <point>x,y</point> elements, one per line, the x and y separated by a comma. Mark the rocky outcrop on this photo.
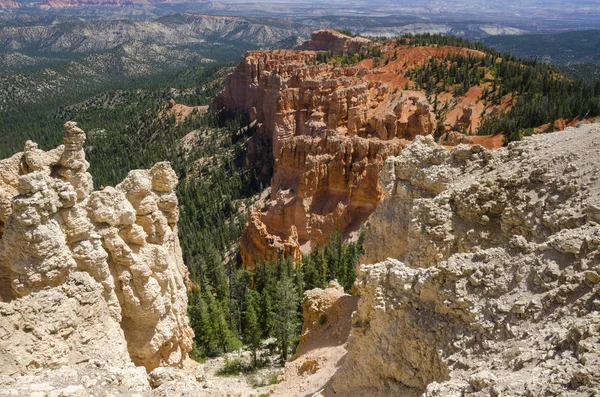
<point>328,130</point>
<point>261,245</point>
<point>326,317</point>
<point>464,124</point>
<point>320,185</point>
<point>85,274</point>
<point>328,126</point>
<point>494,283</point>
<point>289,93</point>
<point>327,322</point>
<point>454,138</point>
<point>336,42</point>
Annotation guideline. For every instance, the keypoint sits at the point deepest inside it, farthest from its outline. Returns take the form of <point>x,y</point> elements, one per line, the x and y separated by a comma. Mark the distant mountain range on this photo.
<point>397,26</point>
<point>179,37</point>
<point>77,36</point>
<point>561,49</point>
<point>43,58</point>
<point>48,4</point>
<point>522,9</point>
<point>42,54</point>
<point>471,18</point>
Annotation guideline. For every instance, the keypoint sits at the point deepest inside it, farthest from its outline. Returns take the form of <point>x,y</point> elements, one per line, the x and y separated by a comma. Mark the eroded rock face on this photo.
<point>289,93</point>
<point>463,124</point>
<point>328,130</point>
<point>92,273</point>
<point>336,42</point>
<point>327,322</point>
<point>321,185</point>
<point>326,317</point>
<point>72,324</point>
<point>495,285</point>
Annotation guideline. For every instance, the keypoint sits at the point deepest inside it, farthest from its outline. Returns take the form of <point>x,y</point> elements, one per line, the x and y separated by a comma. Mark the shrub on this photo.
<point>232,368</point>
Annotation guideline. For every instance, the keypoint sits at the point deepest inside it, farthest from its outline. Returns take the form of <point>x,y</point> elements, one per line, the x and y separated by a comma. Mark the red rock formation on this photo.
<point>463,124</point>
<point>180,112</point>
<point>329,129</point>
<point>320,185</point>
<point>336,42</point>
<point>290,94</point>
<point>260,244</point>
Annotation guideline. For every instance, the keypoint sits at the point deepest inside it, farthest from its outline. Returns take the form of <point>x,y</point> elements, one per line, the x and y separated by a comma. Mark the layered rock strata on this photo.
<point>289,93</point>
<point>88,274</point>
<point>492,286</point>
<point>321,185</point>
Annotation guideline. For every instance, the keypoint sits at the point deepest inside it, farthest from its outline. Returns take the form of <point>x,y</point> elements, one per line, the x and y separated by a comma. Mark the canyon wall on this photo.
<point>488,273</point>
<point>89,276</point>
<point>328,130</point>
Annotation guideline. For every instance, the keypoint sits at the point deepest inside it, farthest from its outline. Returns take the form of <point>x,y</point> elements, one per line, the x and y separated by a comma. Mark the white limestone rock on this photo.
<point>495,285</point>
<point>88,275</point>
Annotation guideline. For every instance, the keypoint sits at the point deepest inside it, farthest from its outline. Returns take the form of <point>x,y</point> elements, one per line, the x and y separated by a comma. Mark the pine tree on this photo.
<point>219,323</point>
<point>322,267</point>
<point>309,271</point>
<point>267,317</point>
<point>299,279</point>
<point>198,315</point>
<point>350,259</point>
<point>239,294</point>
<point>201,322</point>
<point>286,315</point>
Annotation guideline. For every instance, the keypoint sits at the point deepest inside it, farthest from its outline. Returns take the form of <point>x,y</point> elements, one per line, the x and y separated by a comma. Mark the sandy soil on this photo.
<point>561,124</point>
<point>402,58</point>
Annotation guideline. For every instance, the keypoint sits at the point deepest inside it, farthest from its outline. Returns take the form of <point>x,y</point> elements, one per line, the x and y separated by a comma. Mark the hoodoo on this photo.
<point>328,130</point>
<point>89,276</point>
<point>346,179</point>
<point>327,115</point>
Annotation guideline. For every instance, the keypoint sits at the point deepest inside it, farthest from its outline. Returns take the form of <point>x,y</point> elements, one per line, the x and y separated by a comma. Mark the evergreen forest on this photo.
<point>536,92</point>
